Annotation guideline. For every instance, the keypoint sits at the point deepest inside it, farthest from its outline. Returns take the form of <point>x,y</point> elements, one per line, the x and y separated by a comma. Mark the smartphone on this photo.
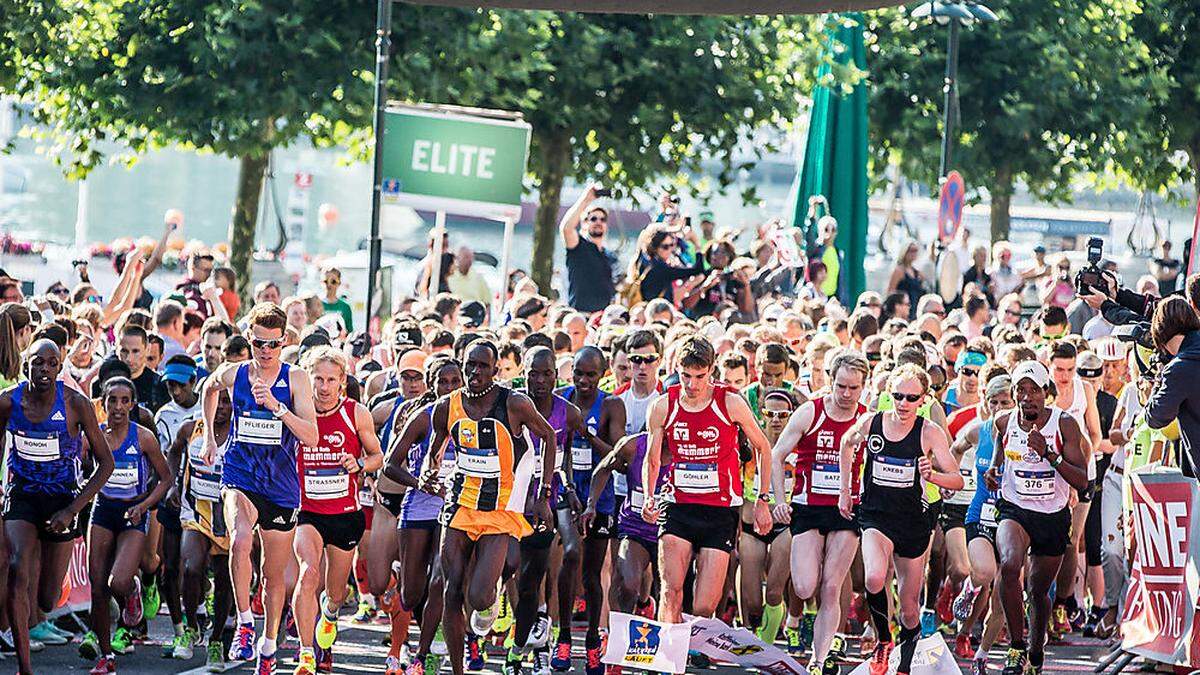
<point>603,192</point>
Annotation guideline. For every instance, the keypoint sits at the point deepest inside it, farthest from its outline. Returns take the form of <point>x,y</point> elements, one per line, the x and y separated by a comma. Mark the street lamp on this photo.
<point>954,13</point>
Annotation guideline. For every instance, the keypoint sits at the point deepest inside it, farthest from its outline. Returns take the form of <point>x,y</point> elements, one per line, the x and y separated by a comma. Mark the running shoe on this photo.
<point>326,630</point>
<point>324,660</point>
<point>1077,618</point>
<point>66,634</point>
<point>831,666</point>
<point>979,667</point>
<point>1059,623</point>
<point>837,647</point>
<point>89,648</point>
<point>265,665</point>
<point>1015,662</point>
<point>306,663</point>
<point>879,659</point>
<point>962,646</point>
<point>964,602</point>
<point>405,655</point>
<point>106,664</point>
<point>792,635</point>
<point>122,641</point>
<point>242,647</point>
<point>561,662</point>
<point>504,617</point>
<point>36,646</point>
<point>476,657</point>
<point>512,663</point>
<point>593,666</point>
<point>8,649</point>
<point>184,644</point>
<point>612,670</point>
<point>1094,616</point>
<point>541,661</point>
<point>43,633</point>
<point>928,623</point>
<point>417,667</point>
<point>944,597</point>
<point>482,621</point>
<point>807,620</point>
<point>215,663</point>
<point>132,612</point>
<point>365,614</point>
<point>151,600</point>
<point>433,663</point>
<point>540,635</point>
<point>288,621</point>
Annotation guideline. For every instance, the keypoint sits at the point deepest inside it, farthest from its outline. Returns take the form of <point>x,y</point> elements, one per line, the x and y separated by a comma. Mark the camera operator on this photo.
<point>1175,329</point>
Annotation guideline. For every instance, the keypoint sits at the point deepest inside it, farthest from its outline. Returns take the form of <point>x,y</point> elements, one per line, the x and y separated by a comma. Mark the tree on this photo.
<point>237,78</point>
<point>624,99</point>
<point>1048,94</point>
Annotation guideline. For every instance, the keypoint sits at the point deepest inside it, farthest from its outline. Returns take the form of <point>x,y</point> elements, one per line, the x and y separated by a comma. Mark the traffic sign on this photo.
<point>950,206</point>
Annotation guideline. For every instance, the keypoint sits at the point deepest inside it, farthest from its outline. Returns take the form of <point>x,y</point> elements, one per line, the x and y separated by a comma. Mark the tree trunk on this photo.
<point>555,150</point>
<point>251,173</point>
<point>1001,191</point>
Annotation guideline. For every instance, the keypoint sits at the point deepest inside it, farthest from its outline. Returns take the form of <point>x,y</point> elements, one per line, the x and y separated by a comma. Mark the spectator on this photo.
<point>1175,329</point>
<point>199,269</point>
<point>225,279</point>
<point>1166,270</point>
<point>590,266</point>
<point>815,274</point>
<point>1059,289</point>
<point>906,278</point>
<point>977,273</point>
<point>466,282</point>
<point>723,288</point>
<point>1005,279</point>
<point>169,323</point>
<point>828,254</point>
<point>332,302</point>
<point>655,271</point>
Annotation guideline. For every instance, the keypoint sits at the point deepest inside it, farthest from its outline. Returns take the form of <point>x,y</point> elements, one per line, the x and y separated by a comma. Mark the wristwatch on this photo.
<point>361,464</point>
<point>764,497</point>
<point>280,411</point>
<point>1058,459</point>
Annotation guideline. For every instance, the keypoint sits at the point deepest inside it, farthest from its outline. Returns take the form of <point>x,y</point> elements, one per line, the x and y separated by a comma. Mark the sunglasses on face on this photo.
<point>666,246</point>
<point>874,356</point>
<point>938,386</point>
<point>1010,312</point>
<point>911,398</point>
<point>260,343</point>
<point>776,414</point>
<point>597,219</point>
<point>970,372</point>
<point>643,359</point>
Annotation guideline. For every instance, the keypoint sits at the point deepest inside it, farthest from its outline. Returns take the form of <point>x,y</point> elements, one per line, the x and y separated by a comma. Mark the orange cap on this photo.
<point>413,359</point>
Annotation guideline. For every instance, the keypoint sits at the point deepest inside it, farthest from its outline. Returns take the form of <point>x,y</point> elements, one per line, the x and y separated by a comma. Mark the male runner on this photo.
<point>1037,462</point>
<point>486,423</point>
<point>273,412</point>
<point>823,542</point>
<point>694,429</point>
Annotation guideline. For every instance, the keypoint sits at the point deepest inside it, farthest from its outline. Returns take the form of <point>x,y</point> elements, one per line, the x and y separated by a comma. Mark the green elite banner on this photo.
<point>436,159</point>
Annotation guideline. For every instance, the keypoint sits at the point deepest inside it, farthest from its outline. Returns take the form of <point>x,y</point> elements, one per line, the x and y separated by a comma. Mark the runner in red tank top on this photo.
<point>823,542</point>
<point>693,430</point>
<point>331,520</point>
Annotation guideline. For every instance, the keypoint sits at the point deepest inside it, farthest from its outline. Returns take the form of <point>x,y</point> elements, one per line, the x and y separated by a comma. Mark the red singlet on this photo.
<point>818,474</point>
<point>325,486</point>
<point>705,467</point>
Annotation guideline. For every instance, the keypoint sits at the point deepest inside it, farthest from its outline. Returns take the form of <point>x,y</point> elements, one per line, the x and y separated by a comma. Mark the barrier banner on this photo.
<point>634,642</point>
<point>739,646</point>
<point>76,587</point>
<point>1159,618</point>
<point>932,657</point>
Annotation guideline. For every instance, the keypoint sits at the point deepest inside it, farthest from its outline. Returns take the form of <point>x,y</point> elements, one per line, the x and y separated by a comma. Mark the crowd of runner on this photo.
<point>884,470</point>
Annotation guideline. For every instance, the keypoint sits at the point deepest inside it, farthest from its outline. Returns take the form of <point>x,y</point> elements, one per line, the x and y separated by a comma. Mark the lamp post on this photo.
<point>383,50</point>
<point>955,13</point>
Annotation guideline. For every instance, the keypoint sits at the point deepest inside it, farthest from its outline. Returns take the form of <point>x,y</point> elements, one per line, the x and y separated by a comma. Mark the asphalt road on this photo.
<point>359,650</point>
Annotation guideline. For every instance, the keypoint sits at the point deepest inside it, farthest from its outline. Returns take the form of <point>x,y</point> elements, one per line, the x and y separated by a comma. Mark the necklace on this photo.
<point>468,394</point>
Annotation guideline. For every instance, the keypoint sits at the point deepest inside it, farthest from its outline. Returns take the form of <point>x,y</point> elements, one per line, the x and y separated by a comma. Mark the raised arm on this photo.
<point>569,225</point>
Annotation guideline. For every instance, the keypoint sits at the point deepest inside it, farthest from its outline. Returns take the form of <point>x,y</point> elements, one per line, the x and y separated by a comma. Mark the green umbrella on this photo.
<point>835,155</point>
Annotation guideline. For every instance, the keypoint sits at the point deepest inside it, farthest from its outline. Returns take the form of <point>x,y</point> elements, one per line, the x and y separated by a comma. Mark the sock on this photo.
<point>792,621</point>
<point>878,604</point>
<point>772,616</point>
<point>908,647</point>
<point>329,614</point>
<point>543,608</point>
<point>266,647</point>
<point>305,650</point>
<point>245,618</point>
<point>1070,603</point>
<point>980,653</point>
<point>1018,645</point>
<point>178,629</point>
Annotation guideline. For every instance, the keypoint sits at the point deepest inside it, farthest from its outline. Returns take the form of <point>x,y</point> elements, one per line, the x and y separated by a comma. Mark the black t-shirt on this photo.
<point>151,392</point>
<point>590,285</point>
<point>726,290</point>
<point>1172,265</point>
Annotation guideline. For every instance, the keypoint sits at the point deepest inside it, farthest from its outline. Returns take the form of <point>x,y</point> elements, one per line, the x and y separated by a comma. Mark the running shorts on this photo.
<point>701,525</point>
<point>1048,533</point>
<point>823,519</point>
<point>343,530</point>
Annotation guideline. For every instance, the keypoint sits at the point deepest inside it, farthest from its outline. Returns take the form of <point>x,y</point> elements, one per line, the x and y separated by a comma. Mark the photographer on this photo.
<point>1175,330</point>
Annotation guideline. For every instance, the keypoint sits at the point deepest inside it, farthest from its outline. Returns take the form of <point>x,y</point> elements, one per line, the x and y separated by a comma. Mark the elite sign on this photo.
<point>455,162</point>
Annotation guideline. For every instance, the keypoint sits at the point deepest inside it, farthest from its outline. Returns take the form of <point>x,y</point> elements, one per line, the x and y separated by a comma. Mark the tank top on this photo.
<point>261,456</point>
<point>983,503</point>
<point>966,468</point>
<point>705,466</point>
<point>129,476</point>
<point>1078,410</point>
<point>818,456</point>
<point>584,457</point>
<point>43,457</point>
<point>492,469</point>
<point>636,410</point>
<point>418,504</point>
<point>326,487</point>
<point>201,480</point>
<point>558,422</point>
<point>892,484</point>
<point>629,518</point>
<point>1029,481</point>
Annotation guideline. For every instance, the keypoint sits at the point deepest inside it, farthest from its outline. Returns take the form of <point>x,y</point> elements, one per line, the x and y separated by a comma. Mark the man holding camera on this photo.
<point>590,286</point>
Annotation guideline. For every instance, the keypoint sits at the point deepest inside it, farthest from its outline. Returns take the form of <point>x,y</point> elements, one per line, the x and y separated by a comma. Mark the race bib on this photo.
<point>826,479</point>
<point>259,430</point>
<point>581,458</point>
<point>124,477</point>
<point>479,463</point>
<point>637,500</point>
<point>987,515</point>
<point>969,481</point>
<point>695,478</point>
<point>321,486</point>
<point>366,498</point>
<point>893,472</point>
<point>35,449</point>
<point>445,470</point>
<point>1035,486</point>
<point>205,488</point>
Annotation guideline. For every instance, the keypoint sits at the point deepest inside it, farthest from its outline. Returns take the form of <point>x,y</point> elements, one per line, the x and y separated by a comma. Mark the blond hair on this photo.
<point>909,371</point>
<point>325,354</point>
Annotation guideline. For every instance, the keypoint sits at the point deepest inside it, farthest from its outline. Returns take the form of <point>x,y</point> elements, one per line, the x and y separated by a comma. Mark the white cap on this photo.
<point>1110,349</point>
<point>1032,370</point>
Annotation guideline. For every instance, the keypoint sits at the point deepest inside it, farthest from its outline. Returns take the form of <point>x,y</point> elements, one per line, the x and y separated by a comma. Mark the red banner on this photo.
<point>1160,613</point>
<point>76,587</point>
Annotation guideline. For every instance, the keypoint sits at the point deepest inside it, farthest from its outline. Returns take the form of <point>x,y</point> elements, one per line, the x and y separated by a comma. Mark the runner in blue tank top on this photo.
<point>44,421</point>
<point>119,522</point>
<point>603,426</point>
<point>273,410</point>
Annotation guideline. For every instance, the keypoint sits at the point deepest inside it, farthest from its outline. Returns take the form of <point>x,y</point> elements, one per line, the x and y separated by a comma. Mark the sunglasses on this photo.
<point>939,386</point>
<point>874,356</point>
<point>260,343</point>
<point>911,398</point>
<point>597,219</point>
<point>1010,312</point>
<point>776,414</point>
<point>643,359</point>
<point>970,372</point>
<point>666,246</point>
